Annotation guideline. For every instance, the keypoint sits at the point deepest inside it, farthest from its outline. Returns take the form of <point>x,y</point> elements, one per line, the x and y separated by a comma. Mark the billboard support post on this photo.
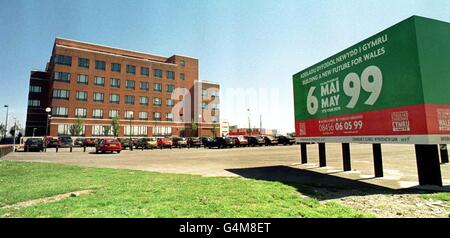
<point>444,154</point>
<point>304,155</point>
<point>346,156</point>
<point>428,166</point>
<point>322,155</point>
<point>377,160</point>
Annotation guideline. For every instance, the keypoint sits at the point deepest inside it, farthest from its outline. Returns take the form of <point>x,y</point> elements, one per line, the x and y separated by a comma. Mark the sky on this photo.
<point>251,47</point>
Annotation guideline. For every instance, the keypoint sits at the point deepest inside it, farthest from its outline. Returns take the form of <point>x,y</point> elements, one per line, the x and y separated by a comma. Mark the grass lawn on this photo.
<point>438,196</point>
<point>125,193</point>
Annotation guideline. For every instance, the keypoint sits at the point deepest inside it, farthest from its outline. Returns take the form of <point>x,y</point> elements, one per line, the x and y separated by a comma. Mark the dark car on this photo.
<point>65,141</point>
<point>147,143</point>
<point>78,142</point>
<point>255,140</point>
<point>52,142</point>
<point>221,142</point>
<point>89,142</point>
<point>285,140</point>
<point>110,145</point>
<point>34,144</point>
<point>194,142</point>
<point>240,141</point>
<point>206,141</point>
<point>125,142</point>
<point>270,140</point>
<point>179,142</point>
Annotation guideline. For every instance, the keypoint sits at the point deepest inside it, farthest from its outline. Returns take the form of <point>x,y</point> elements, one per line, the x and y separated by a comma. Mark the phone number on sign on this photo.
<point>341,126</point>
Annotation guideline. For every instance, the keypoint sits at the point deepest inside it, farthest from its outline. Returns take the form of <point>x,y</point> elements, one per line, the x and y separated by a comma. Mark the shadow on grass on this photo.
<point>321,186</point>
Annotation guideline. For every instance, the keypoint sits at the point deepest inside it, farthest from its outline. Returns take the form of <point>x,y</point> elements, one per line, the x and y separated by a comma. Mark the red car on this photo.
<point>52,142</point>
<point>164,142</point>
<point>111,145</point>
<point>240,141</point>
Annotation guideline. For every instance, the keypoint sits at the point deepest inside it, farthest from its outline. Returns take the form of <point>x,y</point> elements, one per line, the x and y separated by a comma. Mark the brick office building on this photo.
<point>95,83</point>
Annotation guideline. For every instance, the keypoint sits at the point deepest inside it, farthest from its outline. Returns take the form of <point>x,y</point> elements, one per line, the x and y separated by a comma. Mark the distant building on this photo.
<point>150,95</point>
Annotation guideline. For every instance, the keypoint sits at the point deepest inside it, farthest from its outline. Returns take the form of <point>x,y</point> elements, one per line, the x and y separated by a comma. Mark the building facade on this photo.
<point>89,85</point>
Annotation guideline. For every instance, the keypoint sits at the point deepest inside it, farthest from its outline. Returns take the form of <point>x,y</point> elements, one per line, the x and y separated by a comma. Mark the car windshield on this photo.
<point>111,140</point>
<point>33,140</point>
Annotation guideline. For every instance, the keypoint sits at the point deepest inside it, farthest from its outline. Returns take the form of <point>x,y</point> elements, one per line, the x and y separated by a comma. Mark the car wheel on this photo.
<point>118,152</point>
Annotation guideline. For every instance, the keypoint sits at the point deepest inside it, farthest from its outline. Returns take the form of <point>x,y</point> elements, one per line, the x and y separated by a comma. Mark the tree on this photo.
<point>193,128</point>
<point>2,129</point>
<point>106,130</point>
<point>77,128</point>
<point>115,127</point>
<point>214,130</point>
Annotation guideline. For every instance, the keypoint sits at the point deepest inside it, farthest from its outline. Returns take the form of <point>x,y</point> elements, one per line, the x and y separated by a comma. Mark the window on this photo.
<point>135,130</point>
<point>129,84</point>
<point>35,89</point>
<point>170,75</point>
<point>115,83</point>
<point>182,63</point>
<point>204,105</point>
<point>182,76</point>
<point>99,81</point>
<point>169,116</point>
<point>143,100</point>
<point>129,114</point>
<point>214,93</point>
<point>81,96</point>
<point>64,129</point>
<point>131,69</point>
<point>63,59</point>
<point>100,65</point>
<point>214,106</point>
<point>157,87</point>
<point>61,76</point>
<point>115,67</point>
<point>170,88</point>
<point>129,99</point>
<point>99,130</point>
<point>114,98</point>
<point>170,102</point>
<point>83,63</point>
<point>113,113</point>
<point>34,103</point>
<point>98,97</point>
<point>60,111</point>
<point>203,92</point>
<point>61,94</point>
<point>143,116</point>
<point>80,112</point>
<point>97,113</point>
<point>144,71</point>
<point>156,116</point>
<point>157,73</point>
<point>82,79</point>
<point>214,119</point>
<point>162,131</point>
<point>144,86</point>
<point>157,102</point>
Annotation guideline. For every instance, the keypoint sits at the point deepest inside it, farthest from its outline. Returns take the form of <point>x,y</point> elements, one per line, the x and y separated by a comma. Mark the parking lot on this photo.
<point>270,163</point>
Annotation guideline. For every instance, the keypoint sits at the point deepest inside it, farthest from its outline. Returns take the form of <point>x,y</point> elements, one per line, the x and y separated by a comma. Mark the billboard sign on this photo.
<point>393,87</point>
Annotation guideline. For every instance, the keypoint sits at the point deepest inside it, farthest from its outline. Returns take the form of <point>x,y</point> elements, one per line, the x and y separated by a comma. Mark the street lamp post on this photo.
<point>131,141</point>
<point>14,136</point>
<point>47,110</point>
<point>249,126</point>
<point>6,121</point>
<point>199,128</point>
<point>34,129</point>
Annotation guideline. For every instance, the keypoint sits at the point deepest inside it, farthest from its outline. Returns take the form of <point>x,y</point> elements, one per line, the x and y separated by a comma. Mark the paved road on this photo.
<point>279,163</point>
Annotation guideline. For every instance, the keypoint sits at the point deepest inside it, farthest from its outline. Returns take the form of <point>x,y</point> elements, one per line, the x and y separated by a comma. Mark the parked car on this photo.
<point>125,142</point>
<point>240,141</point>
<point>34,144</point>
<point>270,140</point>
<point>65,141</point>
<point>206,141</point>
<point>78,142</point>
<point>164,142</point>
<point>179,142</point>
<point>285,140</point>
<point>255,141</point>
<point>147,143</point>
<point>89,142</point>
<point>194,142</point>
<point>52,142</point>
<point>221,142</point>
<point>111,145</point>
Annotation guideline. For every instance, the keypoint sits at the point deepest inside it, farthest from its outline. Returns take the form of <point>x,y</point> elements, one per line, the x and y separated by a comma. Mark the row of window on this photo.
<point>98,113</point>
<point>114,82</point>
<point>116,67</point>
<point>105,130</point>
